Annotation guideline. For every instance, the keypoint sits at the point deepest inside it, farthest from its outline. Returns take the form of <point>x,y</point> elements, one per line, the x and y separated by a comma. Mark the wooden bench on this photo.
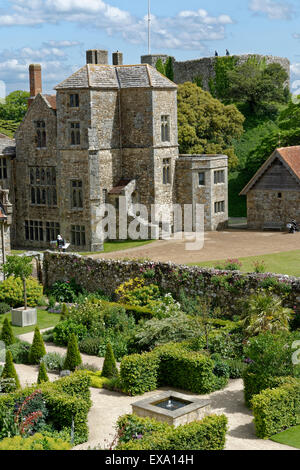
<point>273,226</point>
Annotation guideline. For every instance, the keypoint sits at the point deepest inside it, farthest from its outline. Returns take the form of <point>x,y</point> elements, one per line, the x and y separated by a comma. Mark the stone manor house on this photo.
<point>110,130</point>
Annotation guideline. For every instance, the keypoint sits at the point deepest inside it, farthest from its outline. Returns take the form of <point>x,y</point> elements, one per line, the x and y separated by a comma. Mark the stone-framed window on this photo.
<point>78,235</point>
<point>201,178</point>
<point>52,231</point>
<point>104,196</point>
<point>74,100</point>
<point>279,195</point>
<point>34,230</point>
<point>41,135</point>
<point>166,170</point>
<point>43,186</point>
<point>219,176</point>
<point>165,128</point>
<point>3,168</point>
<point>219,207</point>
<point>76,194</point>
<point>75,133</point>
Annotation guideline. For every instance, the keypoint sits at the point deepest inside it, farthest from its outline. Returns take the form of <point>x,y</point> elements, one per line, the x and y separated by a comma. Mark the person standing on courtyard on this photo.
<point>60,244</point>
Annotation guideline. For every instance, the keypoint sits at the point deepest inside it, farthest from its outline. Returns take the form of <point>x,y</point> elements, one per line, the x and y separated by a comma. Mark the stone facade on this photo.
<point>204,68</point>
<point>7,155</point>
<point>273,194</point>
<point>109,131</point>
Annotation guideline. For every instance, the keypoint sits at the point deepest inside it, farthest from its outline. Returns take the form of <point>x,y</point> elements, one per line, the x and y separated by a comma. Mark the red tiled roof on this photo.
<point>291,155</point>
<point>51,100</point>
<point>120,186</point>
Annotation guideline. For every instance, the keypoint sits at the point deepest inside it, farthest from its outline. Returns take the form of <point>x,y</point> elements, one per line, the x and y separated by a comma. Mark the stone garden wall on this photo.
<point>225,287</point>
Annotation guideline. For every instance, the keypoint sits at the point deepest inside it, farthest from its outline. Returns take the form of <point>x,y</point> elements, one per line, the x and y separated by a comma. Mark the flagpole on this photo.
<point>149,27</point>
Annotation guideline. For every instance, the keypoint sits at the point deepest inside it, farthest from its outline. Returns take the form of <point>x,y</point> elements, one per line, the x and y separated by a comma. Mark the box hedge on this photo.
<point>139,373</point>
<point>169,365</point>
<point>276,409</point>
<point>135,310</point>
<point>35,442</point>
<point>256,383</point>
<point>66,399</point>
<point>147,434</point>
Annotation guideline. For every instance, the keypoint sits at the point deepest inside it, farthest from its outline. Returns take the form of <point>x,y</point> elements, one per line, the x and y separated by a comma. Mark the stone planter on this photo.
<point>21,317</point>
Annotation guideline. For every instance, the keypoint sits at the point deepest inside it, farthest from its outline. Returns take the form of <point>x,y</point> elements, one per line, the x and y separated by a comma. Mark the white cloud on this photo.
<point>186,30</point>
<point>273,9</point>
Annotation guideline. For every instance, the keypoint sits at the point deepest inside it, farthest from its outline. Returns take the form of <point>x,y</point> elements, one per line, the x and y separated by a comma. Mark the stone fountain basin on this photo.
<point>194,409</point>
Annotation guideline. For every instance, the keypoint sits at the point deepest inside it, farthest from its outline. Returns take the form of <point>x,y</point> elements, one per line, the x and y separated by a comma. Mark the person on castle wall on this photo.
<point>227,52</point>
<point>216,54</point>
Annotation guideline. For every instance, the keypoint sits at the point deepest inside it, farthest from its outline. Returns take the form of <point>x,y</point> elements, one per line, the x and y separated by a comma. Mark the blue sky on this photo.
<point>56,33</point>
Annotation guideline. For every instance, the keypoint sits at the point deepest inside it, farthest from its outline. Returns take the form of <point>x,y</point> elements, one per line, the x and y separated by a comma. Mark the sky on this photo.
<point>56,33</point>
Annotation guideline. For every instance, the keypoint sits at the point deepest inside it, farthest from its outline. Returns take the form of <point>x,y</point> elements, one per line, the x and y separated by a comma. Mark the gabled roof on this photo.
<point>51,101</point>
<point>289,156</point>
<point>7,145</point>
<point>115,77</point>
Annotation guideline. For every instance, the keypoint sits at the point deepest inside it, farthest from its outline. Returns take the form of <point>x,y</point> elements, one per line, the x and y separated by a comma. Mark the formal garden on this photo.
<point>150,338</point>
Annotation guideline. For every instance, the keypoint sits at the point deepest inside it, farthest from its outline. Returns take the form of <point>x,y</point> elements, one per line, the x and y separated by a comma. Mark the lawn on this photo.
<point>282,263</point>
<point>45,320</point>
<point>290,437</point>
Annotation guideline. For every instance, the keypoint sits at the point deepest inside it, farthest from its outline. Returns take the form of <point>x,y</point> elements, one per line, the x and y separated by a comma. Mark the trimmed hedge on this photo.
<point>255,384</point>
<point>36,442</point>
<point>139,373</point>
<point>66,399</point>
<point>169,365</point>
<point>276,409</point>
<point>207,434</point>
<point>135,310</point>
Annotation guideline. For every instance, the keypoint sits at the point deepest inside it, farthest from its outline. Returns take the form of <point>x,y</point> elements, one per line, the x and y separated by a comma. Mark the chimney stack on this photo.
<point>35,81</point>
<point>96,56</point>
<point>117,58</point>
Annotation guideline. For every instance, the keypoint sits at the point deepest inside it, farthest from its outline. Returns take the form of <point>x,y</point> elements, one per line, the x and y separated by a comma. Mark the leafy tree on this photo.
<point>109,366</point>
<point>73,357</point>
<point>205,124</point>
<point>264,312</point>
<point>7,335</point>
<point>257,84</point>
<point>169,71</point>
<point>15,106</point>
<point>9,371</point>
<point>37,350</point>
<point>42,377</point>
<point>19,266</point>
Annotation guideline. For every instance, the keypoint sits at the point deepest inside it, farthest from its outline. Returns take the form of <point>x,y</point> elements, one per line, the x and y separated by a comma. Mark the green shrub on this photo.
<point>276,409</point>
<point>136,311</point>
<point>254,384</point>
<point>4,308</point>
<point>11,292</point>
<point>139,373</point>
<point>36,442</point>
<point>9,371</point>
<point>237,368</point>
<point>37,350</point>
<point>64,313</point>
<point>63,331</point>
<point>20,352</point>
<point>42,377</point>
<point>65,291</point>
<point>90,346</point>
<point>109,367</point>
<point>207,434</point>
<point>73,357</point>
<point>7,335</point>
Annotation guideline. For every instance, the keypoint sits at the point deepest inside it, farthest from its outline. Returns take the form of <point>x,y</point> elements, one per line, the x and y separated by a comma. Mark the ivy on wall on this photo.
<point>166,68</point>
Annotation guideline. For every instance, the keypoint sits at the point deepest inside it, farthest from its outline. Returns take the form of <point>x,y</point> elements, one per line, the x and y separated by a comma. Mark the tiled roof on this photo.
<point>290,156</point>
<point>7,145</point>
<point>51,100</point>
<point>121,76</point>
<point>120,186</point>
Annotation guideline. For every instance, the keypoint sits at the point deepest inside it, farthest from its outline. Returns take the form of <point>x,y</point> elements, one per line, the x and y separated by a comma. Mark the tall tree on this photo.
<point>15,106</point>
<point>205,125</point>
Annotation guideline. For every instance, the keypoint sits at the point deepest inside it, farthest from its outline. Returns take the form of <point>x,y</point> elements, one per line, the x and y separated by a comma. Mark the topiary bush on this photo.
<point>7,335</point>
<point>37,350</point>
<point>147,434</point>
<point>73,357</point>
<point>36,442</point>
<point>9,371</point>
<point>11,292</point>
<point>139,373</point>
<point>254,384</point>
<point>109,367</point>
<point>42,376</point>
<point>63,331</point>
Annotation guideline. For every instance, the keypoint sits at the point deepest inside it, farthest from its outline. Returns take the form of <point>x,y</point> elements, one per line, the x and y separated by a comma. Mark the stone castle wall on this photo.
<point>204,68</point>
<point>225,287</point>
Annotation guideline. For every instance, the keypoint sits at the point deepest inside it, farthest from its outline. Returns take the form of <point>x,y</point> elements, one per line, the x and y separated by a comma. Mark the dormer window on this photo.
<point>74,100</point>
<point>41,134</point>
<point>75,133</point>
